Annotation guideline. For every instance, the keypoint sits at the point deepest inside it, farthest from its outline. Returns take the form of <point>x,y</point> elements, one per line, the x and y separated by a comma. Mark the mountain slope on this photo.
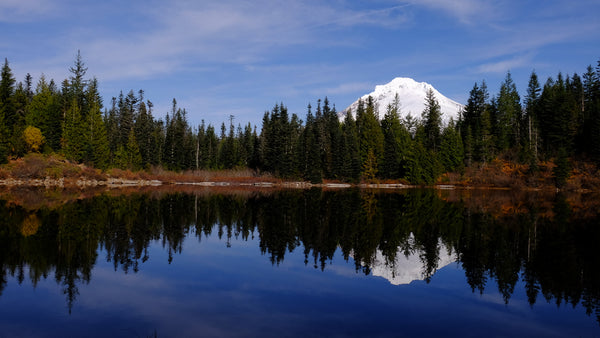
<point>412,99</point>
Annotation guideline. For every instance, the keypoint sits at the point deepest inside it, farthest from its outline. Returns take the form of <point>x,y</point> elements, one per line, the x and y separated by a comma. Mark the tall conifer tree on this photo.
<point>509,115</point>
<point>370,140</point>
<point>531,125</point>
<point>396,142</point>
<point>74,134</point>
<point>432,121</point>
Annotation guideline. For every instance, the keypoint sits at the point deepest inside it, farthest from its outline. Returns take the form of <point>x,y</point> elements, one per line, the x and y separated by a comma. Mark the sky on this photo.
<point>241,57</point>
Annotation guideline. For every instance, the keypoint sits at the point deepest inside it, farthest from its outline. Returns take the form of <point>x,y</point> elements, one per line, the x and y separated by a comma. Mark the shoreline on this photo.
<point>83,183</point>
<point>52,171</point>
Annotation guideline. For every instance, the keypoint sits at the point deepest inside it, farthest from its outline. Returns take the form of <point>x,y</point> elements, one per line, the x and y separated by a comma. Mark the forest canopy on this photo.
<point>558,120</point>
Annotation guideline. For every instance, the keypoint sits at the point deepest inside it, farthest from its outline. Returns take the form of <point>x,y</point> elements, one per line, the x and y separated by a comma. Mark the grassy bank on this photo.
<point>54,170</point>
<point>584,176</point>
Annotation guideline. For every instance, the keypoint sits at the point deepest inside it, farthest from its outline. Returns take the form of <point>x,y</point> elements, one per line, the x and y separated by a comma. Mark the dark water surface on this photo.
<point>300,263</point>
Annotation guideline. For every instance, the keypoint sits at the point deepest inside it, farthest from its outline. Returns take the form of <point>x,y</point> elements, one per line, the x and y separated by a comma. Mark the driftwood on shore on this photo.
<point>80,182</point>
<point>83,182</point>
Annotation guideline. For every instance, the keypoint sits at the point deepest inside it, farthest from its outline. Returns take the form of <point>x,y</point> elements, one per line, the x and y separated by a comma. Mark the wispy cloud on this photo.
<point>345,88</point>
<point>184,32</point>
<point>466,11</point>
<point>505,65</point>
<point>251,54</point>
<point>24,10</point>
<point>391,17</point>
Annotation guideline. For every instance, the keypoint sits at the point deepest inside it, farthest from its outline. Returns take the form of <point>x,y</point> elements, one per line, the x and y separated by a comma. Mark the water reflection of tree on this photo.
<point>554,253</point>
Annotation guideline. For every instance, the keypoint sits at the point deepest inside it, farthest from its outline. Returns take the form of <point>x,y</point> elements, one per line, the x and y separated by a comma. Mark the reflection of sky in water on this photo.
<point>212,290</point>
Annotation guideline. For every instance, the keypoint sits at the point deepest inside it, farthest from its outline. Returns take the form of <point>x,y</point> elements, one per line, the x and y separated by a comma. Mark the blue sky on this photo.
<point>222,58</point>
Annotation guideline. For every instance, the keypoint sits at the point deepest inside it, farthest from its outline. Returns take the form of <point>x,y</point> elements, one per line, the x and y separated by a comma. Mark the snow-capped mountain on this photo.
<point>412,99</point>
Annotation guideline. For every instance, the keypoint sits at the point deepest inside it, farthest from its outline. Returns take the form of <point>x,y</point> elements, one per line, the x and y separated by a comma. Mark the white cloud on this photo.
<point>345,88</point>
<point>506,64</point>
<point>466,11</point>
<point>177,34</point>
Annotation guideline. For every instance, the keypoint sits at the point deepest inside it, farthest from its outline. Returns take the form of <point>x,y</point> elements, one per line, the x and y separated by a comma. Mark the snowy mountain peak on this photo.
<point>412,99</point>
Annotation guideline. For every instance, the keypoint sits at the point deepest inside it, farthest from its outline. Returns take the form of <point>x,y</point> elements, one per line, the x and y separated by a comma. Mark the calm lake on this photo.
<point>288,263</point>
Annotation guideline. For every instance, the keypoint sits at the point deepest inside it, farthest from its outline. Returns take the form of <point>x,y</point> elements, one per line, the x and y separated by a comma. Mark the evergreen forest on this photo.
<point>557,120</point>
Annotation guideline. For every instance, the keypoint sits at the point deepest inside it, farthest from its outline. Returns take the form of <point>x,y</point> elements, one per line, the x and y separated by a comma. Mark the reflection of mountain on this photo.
<point>406,269</point>
<point>556,256</point>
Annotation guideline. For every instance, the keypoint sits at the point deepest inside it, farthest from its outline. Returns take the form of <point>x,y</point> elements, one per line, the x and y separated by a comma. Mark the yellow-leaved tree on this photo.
<point>34,138</point>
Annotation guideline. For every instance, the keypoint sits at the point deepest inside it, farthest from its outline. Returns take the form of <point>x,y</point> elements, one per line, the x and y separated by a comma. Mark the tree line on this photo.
<point>559,120</point>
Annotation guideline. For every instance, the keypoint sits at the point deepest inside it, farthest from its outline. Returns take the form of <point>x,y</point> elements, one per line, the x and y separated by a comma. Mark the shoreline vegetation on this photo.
<point>54,171</point>
<point>33,193</point>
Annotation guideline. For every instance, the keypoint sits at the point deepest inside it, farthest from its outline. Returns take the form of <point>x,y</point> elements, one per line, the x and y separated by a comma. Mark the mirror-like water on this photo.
<point>298,263</point>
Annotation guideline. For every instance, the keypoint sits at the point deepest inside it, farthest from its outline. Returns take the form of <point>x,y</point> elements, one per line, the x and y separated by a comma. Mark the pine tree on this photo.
<point>322,141</point>
<point>128,156</point>
<point>396,142</point>
<point>370,139</point>
<point>143,128</point>
<point>574,105</point>
<point>294,130</point>
<point>475,125</point>
<point>509,115</point>
<point>111,122</point>
<point>562,170</point>
<point>278,139</point>
<point>334,135</point>
<point>134,159</point>
<point>423,165</point>
<point>74,134</point>
<point>201,152</point>
<point>255,160</point>
<point>21,101</point>
<point>308,153</point>
<point>591,112</point>
<point>98,151</point>
<point>595,115</point>
<point>468,146</point>
<point>432,121</point>
<point>96,144</point>
<point>488,122</point>
<point>555,117</point>
<point>7,111</point>
<point>7,89</point>
<point>530,125</point>
<point>451,149</point>
<point>126,115</point>
<point>227,151</point>
<point>208,145</point>
<point>179,141</point>
<point>266,140</point>
<point>44,113</point>
<point>3,139</point>
<point>246,146</point>
<point>77,84</point>
<point>212,147</point>
<point>157,141</point>
<point>173,139</point>
<point>370,166</point>
<point>100,155</point>
<point>351,155</point>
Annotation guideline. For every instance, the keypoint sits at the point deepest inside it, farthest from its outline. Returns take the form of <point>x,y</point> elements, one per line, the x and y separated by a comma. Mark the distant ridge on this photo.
<point>412,99</point>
